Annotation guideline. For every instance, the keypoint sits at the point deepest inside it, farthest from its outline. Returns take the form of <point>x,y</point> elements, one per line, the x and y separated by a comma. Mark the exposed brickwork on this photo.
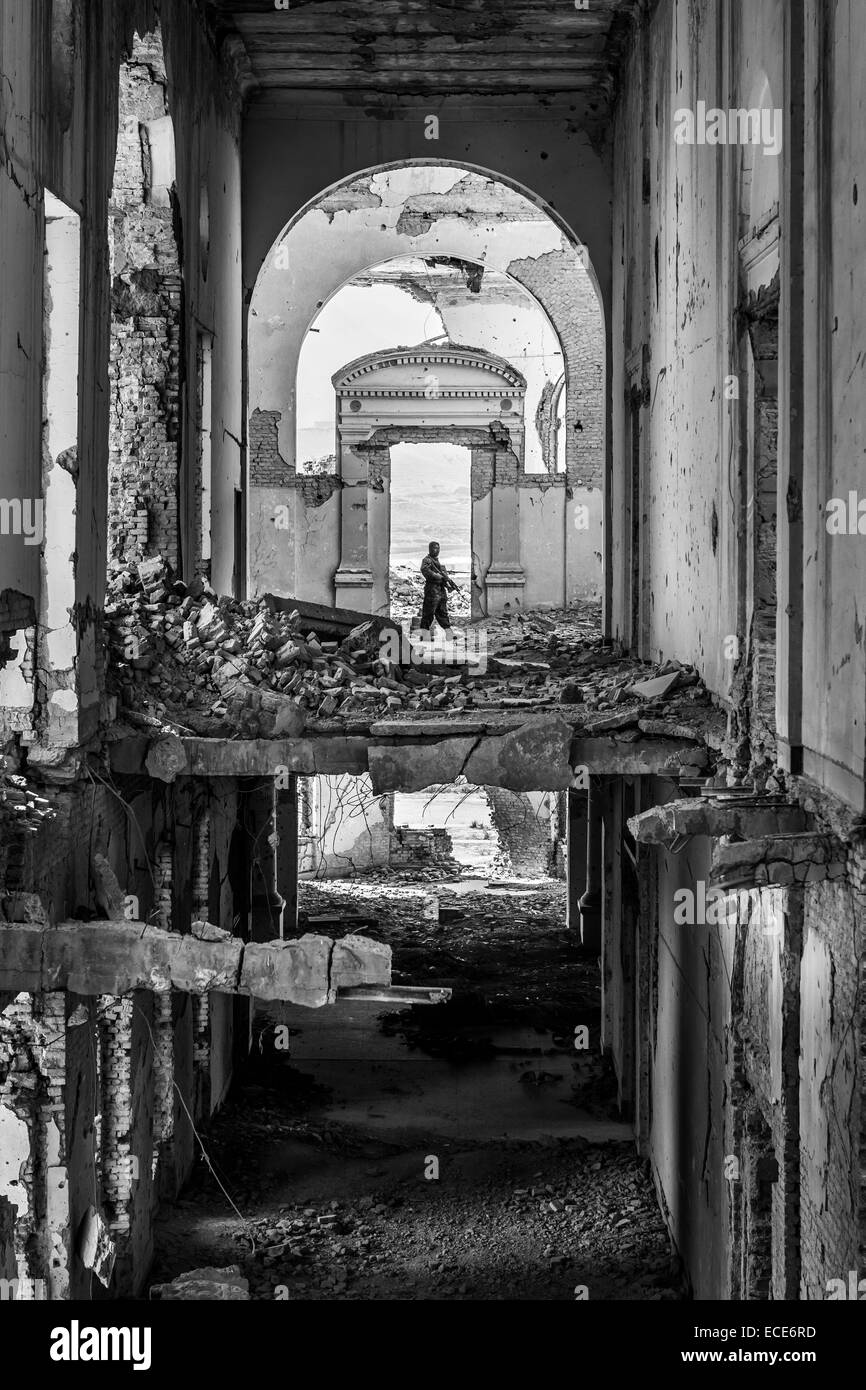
<point>267,466</point>
<point>414,848</point>
<point>144,368</point>
<point>523,835</point>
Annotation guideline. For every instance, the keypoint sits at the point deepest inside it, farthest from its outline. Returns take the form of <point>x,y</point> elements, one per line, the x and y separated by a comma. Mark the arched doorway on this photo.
<point>420,208</point>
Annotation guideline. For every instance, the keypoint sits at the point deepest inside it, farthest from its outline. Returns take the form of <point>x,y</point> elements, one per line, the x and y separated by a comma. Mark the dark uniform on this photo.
<point>436,586</point>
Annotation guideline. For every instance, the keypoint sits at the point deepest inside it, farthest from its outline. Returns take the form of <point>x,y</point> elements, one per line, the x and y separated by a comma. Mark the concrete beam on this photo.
<point>536,755</point>
<point>748,820</point>
<point>107,957</point>
<point>222,757</point>
<point>645,757</point>
<point>412,767</point>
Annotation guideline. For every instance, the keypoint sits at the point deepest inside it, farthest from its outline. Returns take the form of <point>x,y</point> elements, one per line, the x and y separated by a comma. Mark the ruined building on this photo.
<point>257,262</point>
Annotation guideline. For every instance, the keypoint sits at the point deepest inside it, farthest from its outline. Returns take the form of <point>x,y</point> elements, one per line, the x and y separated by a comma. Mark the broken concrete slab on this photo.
<point>357,960</point>
<point>412,767</point>
<point>196,966</point>
<point>297,970</point>
<point>658,686</point>
<point>115,957</point>
<point>535,756</point>
<point>649,757</point>
<point>662,825</point>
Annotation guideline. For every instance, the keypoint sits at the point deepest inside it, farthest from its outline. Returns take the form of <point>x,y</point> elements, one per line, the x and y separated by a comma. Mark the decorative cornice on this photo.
<point>349,378</point>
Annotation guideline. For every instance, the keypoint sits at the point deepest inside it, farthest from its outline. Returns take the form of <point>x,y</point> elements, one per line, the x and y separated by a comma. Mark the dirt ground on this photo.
<point>459,1151</point>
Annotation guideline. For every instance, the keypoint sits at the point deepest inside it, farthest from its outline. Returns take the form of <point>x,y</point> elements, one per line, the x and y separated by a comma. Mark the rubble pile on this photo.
<point>541,659</point>
<point>219,666</point>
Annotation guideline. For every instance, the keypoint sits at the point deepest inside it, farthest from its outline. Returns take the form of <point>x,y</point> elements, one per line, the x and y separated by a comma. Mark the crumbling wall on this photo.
<point>522,822</point>
<point>695,360</point>
<point>424,847</point>
<point>146,288</point>
<point>33,1139</point>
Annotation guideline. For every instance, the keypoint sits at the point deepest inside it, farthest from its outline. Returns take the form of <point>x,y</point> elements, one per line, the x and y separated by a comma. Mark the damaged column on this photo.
<point>505,578</point>
<point>353,580</point>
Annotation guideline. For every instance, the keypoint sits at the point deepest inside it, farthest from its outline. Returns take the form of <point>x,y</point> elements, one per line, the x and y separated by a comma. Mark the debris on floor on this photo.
<point>186,660</point>
<point>223,1285</point>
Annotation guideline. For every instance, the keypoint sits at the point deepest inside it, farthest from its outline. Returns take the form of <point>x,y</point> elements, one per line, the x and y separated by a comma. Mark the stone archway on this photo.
<point>420,208</point>
<point>429,394</point>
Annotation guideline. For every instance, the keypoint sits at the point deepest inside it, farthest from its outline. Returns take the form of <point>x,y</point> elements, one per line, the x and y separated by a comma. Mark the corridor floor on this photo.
<point>459,1151</point>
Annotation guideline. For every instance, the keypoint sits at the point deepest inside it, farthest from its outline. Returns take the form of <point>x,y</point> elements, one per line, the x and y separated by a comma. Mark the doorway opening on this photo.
<point>430,501</point>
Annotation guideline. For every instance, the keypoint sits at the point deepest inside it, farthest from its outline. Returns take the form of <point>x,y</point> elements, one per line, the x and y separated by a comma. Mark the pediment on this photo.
<point>410,372</point>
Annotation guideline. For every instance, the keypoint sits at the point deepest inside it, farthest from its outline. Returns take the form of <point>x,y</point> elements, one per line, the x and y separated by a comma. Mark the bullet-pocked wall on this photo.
<point>419,208</point>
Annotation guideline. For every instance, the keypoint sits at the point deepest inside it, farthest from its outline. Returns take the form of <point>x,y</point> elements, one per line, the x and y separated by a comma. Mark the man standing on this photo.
<point>437,584</point>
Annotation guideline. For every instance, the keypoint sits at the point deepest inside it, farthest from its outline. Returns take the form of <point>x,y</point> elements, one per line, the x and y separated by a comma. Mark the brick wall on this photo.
<point>417,848</point>
<point>144,366</point>
<point>523,835</point>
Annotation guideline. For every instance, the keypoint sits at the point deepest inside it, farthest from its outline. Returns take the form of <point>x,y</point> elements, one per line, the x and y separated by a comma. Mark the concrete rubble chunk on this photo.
<point>166,758</point>
<point>412,768</point>
<point>659,685</point>
<point>704,816</point>
<point>225,1285</point>
<point>357,960</point>
<point>769,860</point>
<point>605,754</point>
<point>204,962</point>
<point>296,970</point>
<point>116,957</point>
<point>96,1247</point>
<point>535,755</point>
